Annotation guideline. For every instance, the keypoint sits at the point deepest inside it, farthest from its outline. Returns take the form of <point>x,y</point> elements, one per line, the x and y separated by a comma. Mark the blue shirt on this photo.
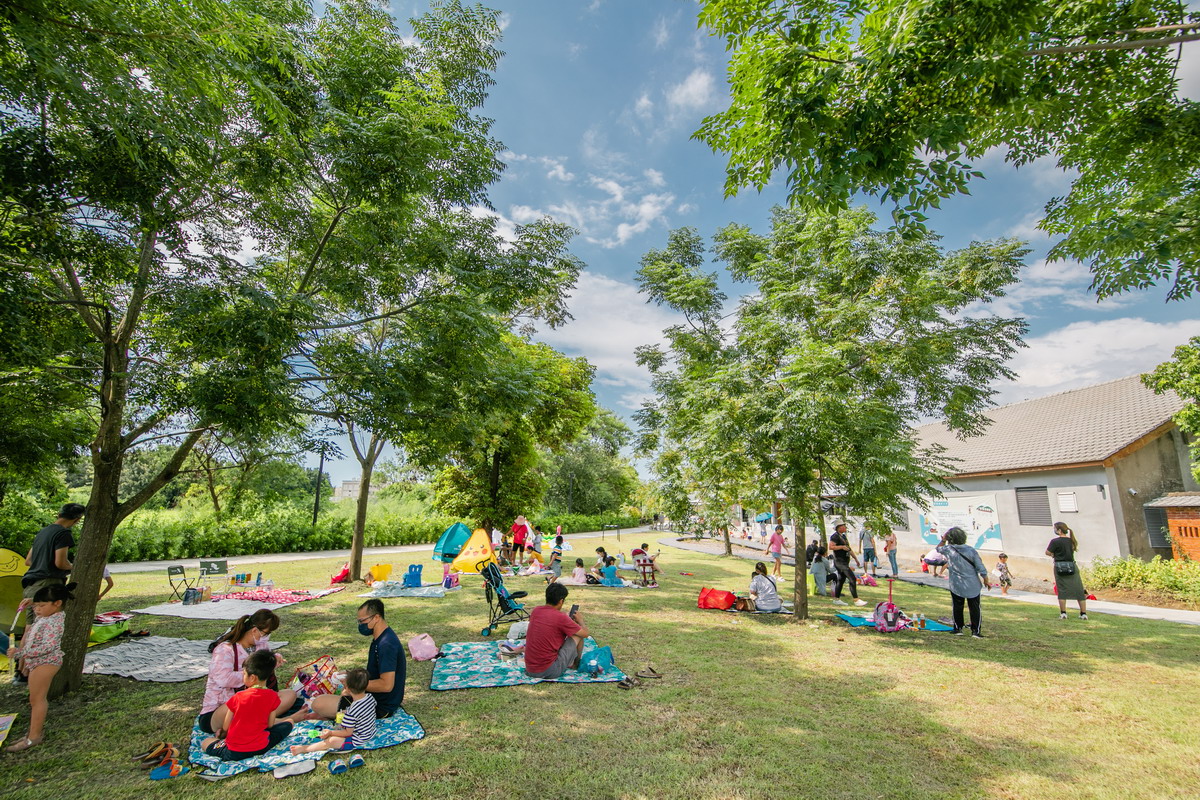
<point>386,655</point>
<point>610,577</point>
<point>966,568</point>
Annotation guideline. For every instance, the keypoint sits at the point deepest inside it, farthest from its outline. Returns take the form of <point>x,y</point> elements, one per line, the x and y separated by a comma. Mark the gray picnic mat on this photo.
<point>389,589</point>
<point>160,659</point>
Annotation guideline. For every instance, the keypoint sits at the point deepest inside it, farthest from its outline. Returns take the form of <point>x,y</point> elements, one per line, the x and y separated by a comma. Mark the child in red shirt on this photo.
<point>252,726</point>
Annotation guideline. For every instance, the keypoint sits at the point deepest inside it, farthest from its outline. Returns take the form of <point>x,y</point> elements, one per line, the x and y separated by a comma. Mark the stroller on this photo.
<point>502,604</point>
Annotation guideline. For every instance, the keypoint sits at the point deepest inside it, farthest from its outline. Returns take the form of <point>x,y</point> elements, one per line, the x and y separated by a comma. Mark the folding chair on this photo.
<point>180,582</point>
<point>213,569</point>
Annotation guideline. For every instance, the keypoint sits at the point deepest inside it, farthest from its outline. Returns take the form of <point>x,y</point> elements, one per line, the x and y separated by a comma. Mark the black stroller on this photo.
<point>502,604</point>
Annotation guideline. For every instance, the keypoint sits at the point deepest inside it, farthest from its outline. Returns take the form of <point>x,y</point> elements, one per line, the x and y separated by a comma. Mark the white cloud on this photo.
<point>655,177</point>
<point>505,227</point>
<point>646,212</point>
<point>559,172</point>
<point>695,92</point>
<point>524,215</point>
<point>574,49</point>
<point>555,165</point>
<point>644,107</point>
<point>504,20</point>
<point>611,319</point>
<point>686,208</point>
<point>610,186</point>
<point>1084,353</point>
<point>594,148</point>
<point>1188,73</point>
<point>661,33</point>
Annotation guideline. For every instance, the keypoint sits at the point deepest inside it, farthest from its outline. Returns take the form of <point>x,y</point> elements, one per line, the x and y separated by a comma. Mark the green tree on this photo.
<point>850,337</point>
<point>1182,375</point>
<point>141,141</point>
<point>532,396</point>
<point>589,475</point>
<point>897,98</point>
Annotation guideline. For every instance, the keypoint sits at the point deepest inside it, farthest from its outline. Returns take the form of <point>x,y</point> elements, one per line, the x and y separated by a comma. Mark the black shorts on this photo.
<point>275,734</point>
<point>518,548</point>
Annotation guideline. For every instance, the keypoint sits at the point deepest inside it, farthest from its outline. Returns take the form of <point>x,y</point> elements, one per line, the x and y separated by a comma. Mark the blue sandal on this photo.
<point>356,760</point>
<point>337,767</point>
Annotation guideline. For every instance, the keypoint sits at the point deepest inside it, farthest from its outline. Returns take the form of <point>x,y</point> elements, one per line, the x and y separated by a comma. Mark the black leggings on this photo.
<point>973,605</point>
<point>845,575</point>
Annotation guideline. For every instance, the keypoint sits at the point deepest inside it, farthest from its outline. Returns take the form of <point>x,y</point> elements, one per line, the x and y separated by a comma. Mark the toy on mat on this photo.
<point>412,578</point>
<point>888,617</point>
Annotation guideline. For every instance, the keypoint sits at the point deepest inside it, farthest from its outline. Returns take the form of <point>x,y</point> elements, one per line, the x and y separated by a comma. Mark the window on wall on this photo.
<point>1033,506</point>
<point>1156,526</point>
<point>1067,502</point>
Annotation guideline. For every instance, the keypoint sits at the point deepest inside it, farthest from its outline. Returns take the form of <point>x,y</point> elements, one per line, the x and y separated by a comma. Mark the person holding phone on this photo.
<point>554,641</point>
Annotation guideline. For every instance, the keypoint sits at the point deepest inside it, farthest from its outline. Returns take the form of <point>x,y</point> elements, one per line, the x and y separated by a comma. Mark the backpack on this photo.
<point>716,598</point>
<point>450,581</point>
<point>888,618</point>
<point>422,648</point>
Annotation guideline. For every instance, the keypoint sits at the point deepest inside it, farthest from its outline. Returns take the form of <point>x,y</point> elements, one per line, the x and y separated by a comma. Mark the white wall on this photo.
<point>1094,524</point>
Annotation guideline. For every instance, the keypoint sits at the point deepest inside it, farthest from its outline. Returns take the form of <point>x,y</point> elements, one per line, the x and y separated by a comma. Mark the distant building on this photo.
<point>349,490</point>
<point>1093,458</point>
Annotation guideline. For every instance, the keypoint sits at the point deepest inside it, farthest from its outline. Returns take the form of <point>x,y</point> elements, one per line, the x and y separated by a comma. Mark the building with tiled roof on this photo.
<point>1093,458</point>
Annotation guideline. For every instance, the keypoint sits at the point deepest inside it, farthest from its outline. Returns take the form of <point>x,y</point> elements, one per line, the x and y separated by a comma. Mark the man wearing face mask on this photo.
<point>385,668</point>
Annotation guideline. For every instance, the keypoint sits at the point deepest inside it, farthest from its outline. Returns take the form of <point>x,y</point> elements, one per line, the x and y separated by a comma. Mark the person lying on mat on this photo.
<point>554,641</point>
<point>356,724</point>
<point>230,653</point>
<point>385,667</point>
<point>251,715</point>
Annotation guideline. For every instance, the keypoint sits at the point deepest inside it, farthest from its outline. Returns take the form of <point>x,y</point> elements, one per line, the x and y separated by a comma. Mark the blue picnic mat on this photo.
<point>477,665</point>
<point>399,728</point>
<point>863,622</point>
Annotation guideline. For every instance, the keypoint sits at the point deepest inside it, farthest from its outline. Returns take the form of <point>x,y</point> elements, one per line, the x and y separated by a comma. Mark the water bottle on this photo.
<point>258,580</point>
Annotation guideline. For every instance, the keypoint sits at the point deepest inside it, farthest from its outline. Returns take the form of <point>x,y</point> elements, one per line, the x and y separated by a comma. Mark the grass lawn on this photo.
<point>751,706</point>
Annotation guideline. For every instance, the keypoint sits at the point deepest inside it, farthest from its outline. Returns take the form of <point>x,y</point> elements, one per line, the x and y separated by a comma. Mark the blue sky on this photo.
<point>596,101</point>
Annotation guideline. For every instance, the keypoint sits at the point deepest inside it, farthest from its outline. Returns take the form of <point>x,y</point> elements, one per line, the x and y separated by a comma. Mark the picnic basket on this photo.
<point>316,678</point>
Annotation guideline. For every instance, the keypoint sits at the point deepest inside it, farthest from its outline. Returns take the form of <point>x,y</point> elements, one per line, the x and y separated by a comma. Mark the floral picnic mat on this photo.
<point>399,728</point>
<point>477,665</point>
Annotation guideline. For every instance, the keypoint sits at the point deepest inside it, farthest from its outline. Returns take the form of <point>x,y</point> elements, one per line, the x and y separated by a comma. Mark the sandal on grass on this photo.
<point>337,767</point>
<point>168,769</point>
<point>629,682</point>
<point>170,754</point>
<point>649,672</point>
<point>356,760</point>
<point>23,745</point>
<point>157,750</point>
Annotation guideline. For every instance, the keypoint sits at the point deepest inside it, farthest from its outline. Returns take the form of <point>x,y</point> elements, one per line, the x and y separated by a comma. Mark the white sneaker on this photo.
<point>837,602</point>
<point>860,602</point>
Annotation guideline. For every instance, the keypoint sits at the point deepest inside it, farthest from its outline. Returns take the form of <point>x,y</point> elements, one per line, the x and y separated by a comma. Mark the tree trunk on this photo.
<point>728,544</point>
<point>800,584</point>
<point>493,490</point>
<point>366,459</point>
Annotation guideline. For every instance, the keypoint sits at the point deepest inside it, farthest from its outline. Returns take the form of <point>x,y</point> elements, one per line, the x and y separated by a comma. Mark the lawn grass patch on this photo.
<point>751,706</point>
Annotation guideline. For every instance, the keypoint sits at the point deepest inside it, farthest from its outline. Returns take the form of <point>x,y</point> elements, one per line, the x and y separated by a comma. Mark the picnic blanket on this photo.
<point>111,618</point>
<point>784,609</point>
<point>284,597</point>
<point>857,621</point>
<point>233,608</point>
<point>159,659</point>
<point>6,723</point>
<point>397,729</point>
<point>396,589</point>
<point>477,665</point>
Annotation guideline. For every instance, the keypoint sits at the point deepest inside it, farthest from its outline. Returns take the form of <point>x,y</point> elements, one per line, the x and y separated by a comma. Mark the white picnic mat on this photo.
<point>218,609</point>
<point>160,659</point>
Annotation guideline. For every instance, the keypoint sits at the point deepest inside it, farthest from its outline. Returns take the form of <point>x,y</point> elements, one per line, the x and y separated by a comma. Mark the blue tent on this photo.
<point>451,543</point>
<point>764,517</point>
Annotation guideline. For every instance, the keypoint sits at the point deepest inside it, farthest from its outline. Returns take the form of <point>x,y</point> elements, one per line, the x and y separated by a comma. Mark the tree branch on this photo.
<point>385,315</point>
<point>165,475</point>
<point>1135,44</point>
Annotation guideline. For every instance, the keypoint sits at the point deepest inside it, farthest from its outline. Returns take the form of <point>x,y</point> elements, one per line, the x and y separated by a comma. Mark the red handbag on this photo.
<point>716,598</point>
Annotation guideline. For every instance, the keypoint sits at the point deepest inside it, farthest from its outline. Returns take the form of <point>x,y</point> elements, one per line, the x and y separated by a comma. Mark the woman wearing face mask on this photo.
<point>385,669</point>
<point>229,654</point>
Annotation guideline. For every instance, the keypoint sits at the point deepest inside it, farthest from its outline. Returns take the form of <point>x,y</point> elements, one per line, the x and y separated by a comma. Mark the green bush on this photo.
<point>583,523</point>
<point>1177,580</point>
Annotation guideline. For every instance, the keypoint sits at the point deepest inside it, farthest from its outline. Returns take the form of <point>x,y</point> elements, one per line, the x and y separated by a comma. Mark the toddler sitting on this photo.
<point>355,720</point>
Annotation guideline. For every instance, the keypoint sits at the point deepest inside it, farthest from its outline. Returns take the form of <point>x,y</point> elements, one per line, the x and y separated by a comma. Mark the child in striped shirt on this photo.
<point>356,723</point>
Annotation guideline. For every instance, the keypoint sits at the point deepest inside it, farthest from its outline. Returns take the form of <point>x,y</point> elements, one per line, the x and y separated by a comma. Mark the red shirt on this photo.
<point>548,629</point>
<point>251,709</point>
<point>518,534</point>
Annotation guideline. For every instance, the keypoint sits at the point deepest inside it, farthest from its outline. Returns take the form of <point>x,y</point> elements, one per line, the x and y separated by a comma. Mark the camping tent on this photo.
<point>477,552</point>
<point>12,567</point>
<point>451,543</point>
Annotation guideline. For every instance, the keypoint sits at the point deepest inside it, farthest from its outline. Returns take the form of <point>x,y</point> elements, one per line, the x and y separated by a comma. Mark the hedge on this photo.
<point>1177,580</point>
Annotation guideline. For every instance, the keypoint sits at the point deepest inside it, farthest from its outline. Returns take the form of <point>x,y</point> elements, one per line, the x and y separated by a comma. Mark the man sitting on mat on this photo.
<point>554,640</point>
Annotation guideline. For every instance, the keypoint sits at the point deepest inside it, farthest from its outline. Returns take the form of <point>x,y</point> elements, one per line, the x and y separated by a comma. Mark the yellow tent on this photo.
<point>475,553</point>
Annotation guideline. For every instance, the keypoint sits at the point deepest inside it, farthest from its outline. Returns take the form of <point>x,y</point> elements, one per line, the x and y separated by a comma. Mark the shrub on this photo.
<point>583,523</point>
<point>1177,580</point>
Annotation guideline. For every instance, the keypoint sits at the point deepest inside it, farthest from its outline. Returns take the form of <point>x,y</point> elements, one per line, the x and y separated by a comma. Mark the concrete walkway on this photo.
<point>753,552</point>
<point>368,553</point>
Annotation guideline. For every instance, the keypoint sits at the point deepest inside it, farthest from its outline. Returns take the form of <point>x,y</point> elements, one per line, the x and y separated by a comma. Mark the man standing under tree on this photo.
<point>839,545</point>
<point>48,560</point>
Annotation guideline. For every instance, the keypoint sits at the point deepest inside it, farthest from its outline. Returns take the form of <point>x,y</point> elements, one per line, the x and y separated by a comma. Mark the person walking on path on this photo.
<point>839,544</point>
<point>1067,581</point>
<point>48,560</point>
<point>967,576</point>
<point>889,547</point>
<point>775,549</point>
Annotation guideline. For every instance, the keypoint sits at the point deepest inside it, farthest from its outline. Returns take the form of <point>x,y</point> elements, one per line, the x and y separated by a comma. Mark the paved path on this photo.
<point>754,552</point>
<point>368,553</point>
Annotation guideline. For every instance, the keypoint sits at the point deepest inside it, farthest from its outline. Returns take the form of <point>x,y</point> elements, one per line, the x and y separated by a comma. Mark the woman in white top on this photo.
<point>762,590</point>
